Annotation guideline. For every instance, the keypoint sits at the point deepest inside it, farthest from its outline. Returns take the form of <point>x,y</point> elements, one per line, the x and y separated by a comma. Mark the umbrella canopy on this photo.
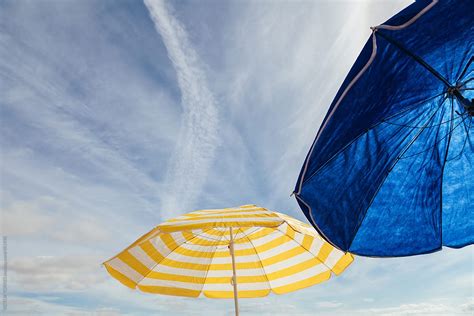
<point>390,172</point>
<point>190,255</point>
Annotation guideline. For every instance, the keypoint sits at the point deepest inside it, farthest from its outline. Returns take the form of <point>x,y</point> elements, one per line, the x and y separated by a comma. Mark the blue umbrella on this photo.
<point>391,171</point>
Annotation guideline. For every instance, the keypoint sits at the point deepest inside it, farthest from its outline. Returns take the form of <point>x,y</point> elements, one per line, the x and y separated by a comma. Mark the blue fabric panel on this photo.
<point>377,182</point>
<point>458,184</point>
<point>408,206</point>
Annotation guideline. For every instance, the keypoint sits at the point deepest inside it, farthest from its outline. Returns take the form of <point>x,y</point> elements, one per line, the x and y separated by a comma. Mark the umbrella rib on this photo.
<point>414,57</point>
<point>397,159</point>
<point>464,144</point>
<point>210,262</point>
<point>434,125</point>
<point>259,259</point>
<point>466,68</point>
<point>412,141</point>
<point>365,131</point>
<point>443,138</point>
<point>442,175</point>
<point>159,262</point>
<point>302,246</point>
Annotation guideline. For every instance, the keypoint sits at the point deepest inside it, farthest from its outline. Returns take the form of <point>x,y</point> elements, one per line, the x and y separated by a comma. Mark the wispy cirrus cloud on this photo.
<point>90,116</point>
<point>197,141</point>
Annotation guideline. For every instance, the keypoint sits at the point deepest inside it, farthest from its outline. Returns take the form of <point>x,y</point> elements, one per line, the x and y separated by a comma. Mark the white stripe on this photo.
<point>288,262</point>
<point>123,268</point>
<point>277,250</point>
<point>187,259</point>
<point>241,286</point>
<point>316,246</point>
<point>160,246</point>
<point>333,258</point>
<point>313,271</point>
<point>200,248</point>
<point>266,239</point>
<point>141,256</point>
<point>240,272</point>
<point>238,259</point>
<point>169,283</point>
<point>180,271</point>
<point>209,237</point>
<point>298,238</point>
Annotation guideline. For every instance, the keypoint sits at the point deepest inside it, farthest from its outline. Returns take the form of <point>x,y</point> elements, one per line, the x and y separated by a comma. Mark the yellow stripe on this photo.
<point>184,265</point>
<point>148,235</point>
<point>271,244</point>
<point>169,290</point>
<point>223,216</point>
<point>224,211</point>
<point>176,277</point>
<point>168,240</point>
<point>198,241</point>
<point>120,277</point>
<point>325,251</point>
<point>238,266</point>
<point>202,280</point>
<point>133,263</point>
<point>303,283</point>
<point>263,232</point>
<point>239,252</point>
<point>283,256</point>
<point>188,235</point>
<point>217,232</point>
<point>219,224</point>
<point>198,254</point>
<point>342,264</point>
<point>222,237</point>
<point>290,232</point>
<point>307,242</point>
<point>152,252</point>
<point>257,264</point>
<point>240,279</point>
<point>299,267</point>
<point>241,294</point>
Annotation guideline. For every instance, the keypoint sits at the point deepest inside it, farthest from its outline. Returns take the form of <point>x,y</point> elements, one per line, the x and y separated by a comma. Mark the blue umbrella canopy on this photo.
<point>391,171</point>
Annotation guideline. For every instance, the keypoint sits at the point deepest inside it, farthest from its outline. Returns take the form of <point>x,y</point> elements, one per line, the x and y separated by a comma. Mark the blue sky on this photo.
<point>116,115</point>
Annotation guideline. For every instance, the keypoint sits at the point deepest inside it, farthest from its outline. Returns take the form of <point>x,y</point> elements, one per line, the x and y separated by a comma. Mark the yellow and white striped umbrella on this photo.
<point>194,253</point>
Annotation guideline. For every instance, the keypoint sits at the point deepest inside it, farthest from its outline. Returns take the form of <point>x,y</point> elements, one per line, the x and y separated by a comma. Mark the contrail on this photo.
<point>198,137</point>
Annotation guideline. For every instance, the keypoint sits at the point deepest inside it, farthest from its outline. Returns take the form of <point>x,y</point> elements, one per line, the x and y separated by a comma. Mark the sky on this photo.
<point>118,115</point>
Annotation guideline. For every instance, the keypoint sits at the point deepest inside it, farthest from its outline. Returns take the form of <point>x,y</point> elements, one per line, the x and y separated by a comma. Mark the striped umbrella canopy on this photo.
<point>246,251</point>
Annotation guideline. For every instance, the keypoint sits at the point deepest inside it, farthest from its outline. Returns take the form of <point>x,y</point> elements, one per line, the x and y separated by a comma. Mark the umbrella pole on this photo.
<point>234,274</point>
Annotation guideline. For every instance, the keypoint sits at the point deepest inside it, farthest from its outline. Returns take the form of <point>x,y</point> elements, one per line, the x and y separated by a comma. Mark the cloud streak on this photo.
<point>198,138</point>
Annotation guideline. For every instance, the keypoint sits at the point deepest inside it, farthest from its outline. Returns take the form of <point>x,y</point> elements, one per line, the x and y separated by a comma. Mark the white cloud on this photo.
<point>420,309</point>
<point>91,116</point>
<point>41,306</point>
<point>49,274</point>
<point>198,138</point>
<point>47,216</point>
<point>329,304</point>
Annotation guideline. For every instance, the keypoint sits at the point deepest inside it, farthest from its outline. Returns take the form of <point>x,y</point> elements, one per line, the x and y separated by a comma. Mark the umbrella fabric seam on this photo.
<point>163,259</point>
<point>260,260</point>
<point>442,176</point>
<point>210,263</point>
<point>397,159</point>
<point>364,132</point>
